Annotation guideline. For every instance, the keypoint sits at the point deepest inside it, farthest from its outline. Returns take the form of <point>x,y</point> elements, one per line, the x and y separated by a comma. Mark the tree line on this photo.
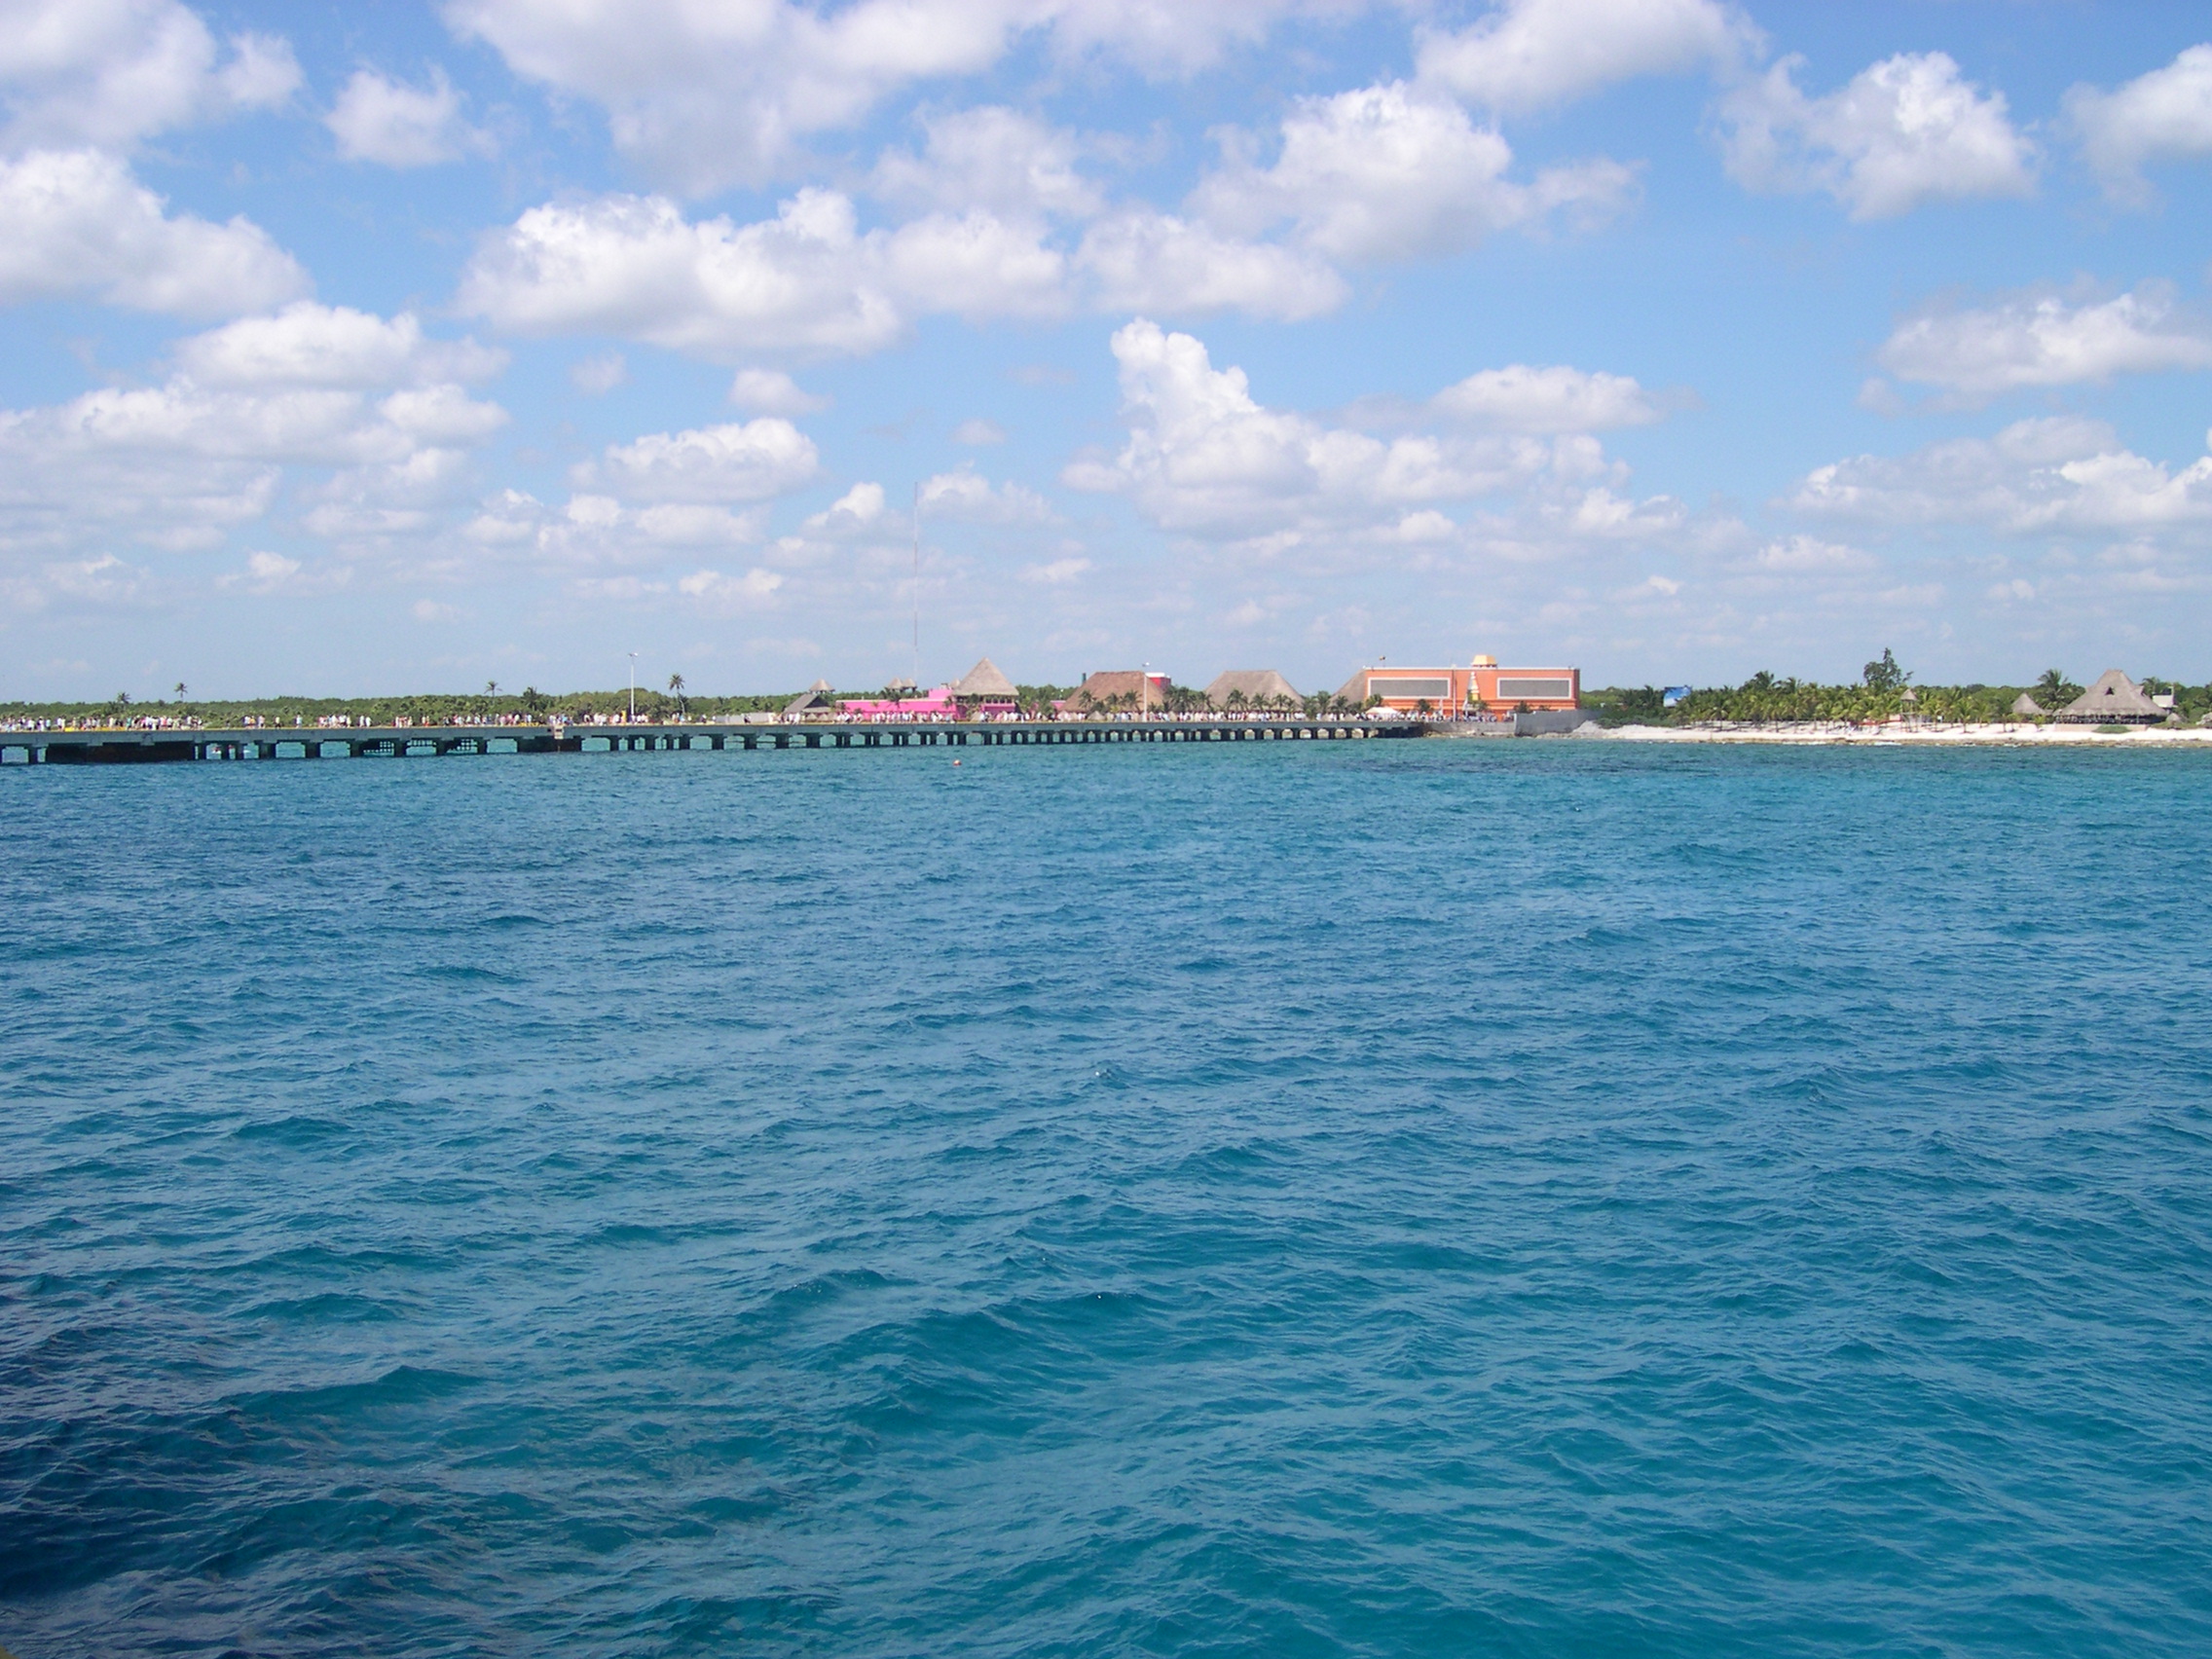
<point>529,703</point>
<point>1884,689</point>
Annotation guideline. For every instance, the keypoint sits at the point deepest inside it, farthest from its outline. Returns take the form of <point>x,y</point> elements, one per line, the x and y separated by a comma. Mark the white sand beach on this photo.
<point>2022,734</point>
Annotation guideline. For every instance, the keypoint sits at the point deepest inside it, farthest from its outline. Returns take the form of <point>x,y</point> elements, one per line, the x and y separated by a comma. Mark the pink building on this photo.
<point>940,704</point>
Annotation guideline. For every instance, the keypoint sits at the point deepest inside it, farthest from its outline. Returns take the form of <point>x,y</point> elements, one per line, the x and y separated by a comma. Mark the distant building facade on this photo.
<point>1482,686</point>
<point>939,703</point>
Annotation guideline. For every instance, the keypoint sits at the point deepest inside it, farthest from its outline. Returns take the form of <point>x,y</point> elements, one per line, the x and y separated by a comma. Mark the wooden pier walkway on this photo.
<point>320,743</point>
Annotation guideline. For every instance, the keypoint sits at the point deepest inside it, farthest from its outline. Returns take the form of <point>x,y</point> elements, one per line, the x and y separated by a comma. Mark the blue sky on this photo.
<point>402,347</point>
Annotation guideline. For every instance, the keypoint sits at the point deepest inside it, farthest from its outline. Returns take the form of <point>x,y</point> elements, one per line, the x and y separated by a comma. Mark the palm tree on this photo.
<point>2054,690</point>
<point>675,684</point>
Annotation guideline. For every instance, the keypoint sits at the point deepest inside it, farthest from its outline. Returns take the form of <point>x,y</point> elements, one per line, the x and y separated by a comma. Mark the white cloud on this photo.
<point>1803,554</point>
<point>806,281</point>
<point>749,463</point>
<point>306,343</point>
<point>179,465</point>
<point>96,584</point>
<point>599,375</point>
<point>703,96</point>
<point>634,266</point>
<point>1533,53</point>
<point>1427,524</point>
<point>679,525</point>
<point>1056,572</point>
<point>1905,132</point>
<point>2040,339</point>
<point>1519,398</point>
<point>78,223</point>
<point>1147,261</point>
<point>1387,174</point>
<point>398,125</point>
<point>311,426</point>
<point>975,266</point>
<point>859,509</point>
<point>810,282</point>
<point>771,392</point>
<point>2165,114</point>
<point>978,432</point>
<point>1159,37</point>
<point>751,591</point>
<point>593,532</point>
<point>991,157</point>
<point>442,415</point>
<point>1204,457</point>
<point>964,495</point>
<point>268,572</point>
<point>112,72</point>
<point>2055,474</point>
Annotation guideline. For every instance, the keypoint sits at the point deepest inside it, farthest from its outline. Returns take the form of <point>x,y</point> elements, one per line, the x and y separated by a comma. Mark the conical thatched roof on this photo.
<point>984,682</point>
<point>2114,698</point>
<point>1257,683</point>
<point>1138,687</point>
<point>2027,706</point>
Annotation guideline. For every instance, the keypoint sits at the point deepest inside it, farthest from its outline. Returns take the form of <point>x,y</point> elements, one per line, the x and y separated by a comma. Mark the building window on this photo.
<point>1514,690</point>
<point>1410,690</point>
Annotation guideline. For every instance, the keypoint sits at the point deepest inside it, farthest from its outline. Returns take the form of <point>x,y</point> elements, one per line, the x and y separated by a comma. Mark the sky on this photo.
<point>408,346</point>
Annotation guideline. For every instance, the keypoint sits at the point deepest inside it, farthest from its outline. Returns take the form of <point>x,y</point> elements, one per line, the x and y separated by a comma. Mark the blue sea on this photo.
<point>1537,1198</point>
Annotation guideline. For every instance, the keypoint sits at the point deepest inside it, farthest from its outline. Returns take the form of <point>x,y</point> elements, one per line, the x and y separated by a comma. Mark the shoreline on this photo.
<point>2002,735</point>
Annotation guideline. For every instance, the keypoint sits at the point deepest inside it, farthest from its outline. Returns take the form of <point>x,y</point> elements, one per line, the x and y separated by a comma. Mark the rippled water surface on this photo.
<point>1537,1197</point>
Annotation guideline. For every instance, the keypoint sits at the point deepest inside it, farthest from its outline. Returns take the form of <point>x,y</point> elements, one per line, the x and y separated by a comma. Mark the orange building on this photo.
<point>1481,687</point>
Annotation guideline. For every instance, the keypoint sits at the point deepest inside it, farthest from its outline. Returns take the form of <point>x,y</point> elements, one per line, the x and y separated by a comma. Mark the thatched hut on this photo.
<point>1123,688</point>
<point>813,701</point>
<point>2114,700</point>
<point>1259,687</point>
<point>2026,708</point>
<point>984,686</point>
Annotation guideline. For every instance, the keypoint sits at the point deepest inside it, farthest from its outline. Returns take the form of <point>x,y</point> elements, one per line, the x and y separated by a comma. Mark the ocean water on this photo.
<point>1537,1197</point>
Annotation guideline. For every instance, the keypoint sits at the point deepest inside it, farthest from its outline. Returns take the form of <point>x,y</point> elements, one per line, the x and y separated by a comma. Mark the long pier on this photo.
<point>126,745</point>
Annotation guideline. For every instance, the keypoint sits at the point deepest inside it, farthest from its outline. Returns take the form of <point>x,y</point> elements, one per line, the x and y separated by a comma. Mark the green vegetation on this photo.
<point>1884,691</point>
<point>421,709</point>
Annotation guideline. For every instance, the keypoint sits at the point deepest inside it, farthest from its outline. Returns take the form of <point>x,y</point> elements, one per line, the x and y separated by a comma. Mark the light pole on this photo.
<point>1144,691</point>
<point>633,687</point>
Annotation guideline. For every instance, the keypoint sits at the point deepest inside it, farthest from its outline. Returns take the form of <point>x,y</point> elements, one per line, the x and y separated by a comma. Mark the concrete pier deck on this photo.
<point>127,745</point>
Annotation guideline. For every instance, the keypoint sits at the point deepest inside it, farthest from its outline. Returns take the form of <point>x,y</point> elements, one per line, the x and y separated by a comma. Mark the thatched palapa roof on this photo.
<point>1259,684</point>
<point>2116,699</point>
<point>2027,707</point>
<point>1101,688</point>
<point>814,700</point>
<point>984,683</point>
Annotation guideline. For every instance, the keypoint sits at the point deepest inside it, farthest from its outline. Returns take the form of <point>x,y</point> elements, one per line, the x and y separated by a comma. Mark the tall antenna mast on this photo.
<point>917,586</point>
